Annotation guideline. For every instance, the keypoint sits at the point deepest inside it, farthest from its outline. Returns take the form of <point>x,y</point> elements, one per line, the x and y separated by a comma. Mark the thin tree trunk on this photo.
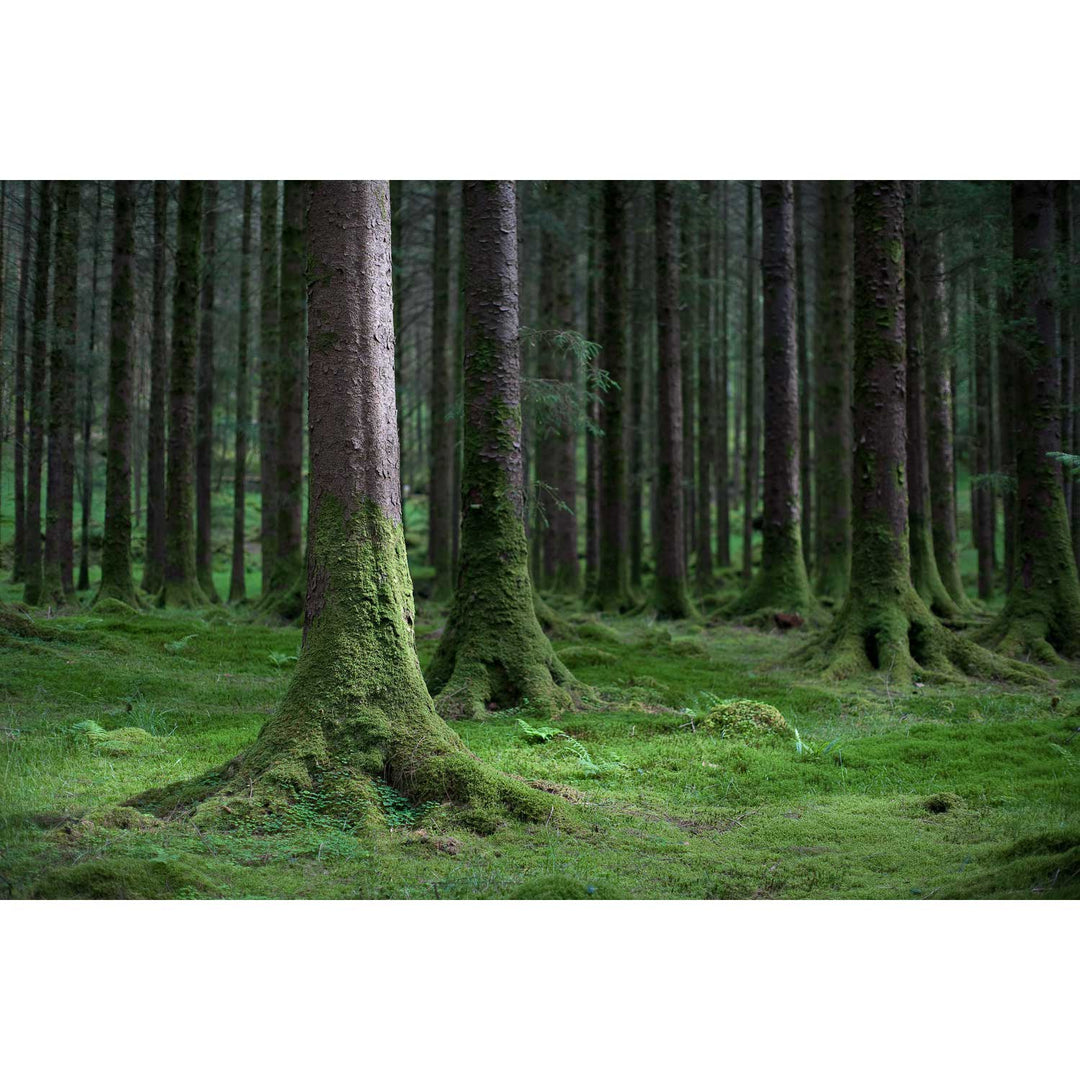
<point>705,357</point>
<point>116,580</point>
<point>18,573</point>
<point>806,464</point>
<point>269,304</point>
<point>38,402</point>
<point>181,586</point>
<point>204,403</point>
<point>57,581</point>
<point>750,408</point>
<point>88,405</point>
<point>1063,236</point>
<point>237,578</point>
<point>983,523</point>
<point>688,341</point>
<point>592,449</point>
<point>723,464</point>
<point>640,338</point>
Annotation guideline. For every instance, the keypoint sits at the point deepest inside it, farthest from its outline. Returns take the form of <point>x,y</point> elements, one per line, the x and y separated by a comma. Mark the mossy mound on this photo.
<point>585,655</point>
<point>119,742</point>
<point>18,624</point>
<point>1042,866</point>
<point>743,719</point>
<point>943,802</point>
<point>597,631</point>
<point>118,878</point>
<point>688,647</point>
<point>647,682</point>
<point>557,887</point>
<point>109,605</point>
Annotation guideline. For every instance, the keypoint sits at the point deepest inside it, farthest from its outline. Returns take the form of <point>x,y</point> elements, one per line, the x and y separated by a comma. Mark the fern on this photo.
<point>181,645</point>
<point>545,734</point>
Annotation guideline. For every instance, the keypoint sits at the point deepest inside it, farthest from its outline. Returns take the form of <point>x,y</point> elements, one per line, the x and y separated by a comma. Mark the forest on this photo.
<point>583,539</point>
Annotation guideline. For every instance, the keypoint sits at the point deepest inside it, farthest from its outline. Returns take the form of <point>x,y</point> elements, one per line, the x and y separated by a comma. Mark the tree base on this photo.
<point>181,594</point>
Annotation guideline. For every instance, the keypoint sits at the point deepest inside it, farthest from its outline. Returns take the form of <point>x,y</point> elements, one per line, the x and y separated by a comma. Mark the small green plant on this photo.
<point>181,645</point>
<point>399,812</point>
<point>545,734</point>
<point>280,659</point>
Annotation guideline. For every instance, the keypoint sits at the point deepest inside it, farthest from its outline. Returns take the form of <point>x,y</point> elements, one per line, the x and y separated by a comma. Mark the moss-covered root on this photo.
<point>903,642</point>
<point>182,594</point>
<point>551,622</point>
<point>109,596</point>
<point>1044,631</point>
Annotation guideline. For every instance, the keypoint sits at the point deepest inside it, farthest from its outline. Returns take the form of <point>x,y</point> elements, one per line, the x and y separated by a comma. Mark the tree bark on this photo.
<point>38,402</point>
<point>594,320</point>
<point>116,579</point>
<point>749,406</point>
<point>1041,616</point>
<point>802,333</point>
<point>723,464</point>
<point>18,572</point>
<point>672,598</point>
<point>493,653</point>
<point>269,305</point>
<point>703,574</point>
<point>983,524</point>
<point>781,583</point>
<point>688,343</point>
<point>87,494</point>
<point>237,577</point>
<point>181,587</point>
<point>643,308</point>
<point>57,581</point>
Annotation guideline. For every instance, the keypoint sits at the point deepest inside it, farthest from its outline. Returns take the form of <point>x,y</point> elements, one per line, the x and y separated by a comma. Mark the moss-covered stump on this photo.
<point>118,878</point>
<point>745,719</point>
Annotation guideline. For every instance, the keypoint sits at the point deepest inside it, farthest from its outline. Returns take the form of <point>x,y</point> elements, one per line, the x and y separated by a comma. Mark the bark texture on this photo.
<point>269,307</point>
<point>18,571</point>
<point>89,377</point>
<point>237,581</point>
<point>493,653</point>
<point>703,491</point>
<point>751,459</point>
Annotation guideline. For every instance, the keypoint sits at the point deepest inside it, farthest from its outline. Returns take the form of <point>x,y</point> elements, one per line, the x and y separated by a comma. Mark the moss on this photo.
<point>943,802</point>
<point>118,878</point>
<point>597,631</point>
<point>123,742</point>
<point>585,656</point>
<point>688,647</point>
<point>1044,865</point>
<point>110,605</point>
<point>19,624</point>
<point>556,887</point>
<point>744,719</point>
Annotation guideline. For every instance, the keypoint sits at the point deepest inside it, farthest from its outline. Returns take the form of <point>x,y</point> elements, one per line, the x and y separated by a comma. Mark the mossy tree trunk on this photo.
<point>286,596</point>
<point>802,337</point>
<point>723,463</point>
<point>593,323</point>
<point>493,653</point>
<point>613,577</point>
<point>671,596</point>
<point>751,460</point>
<point>269,312</point>
<point>38,402</point>
<point>237,579</point>
<point>706,352</point>
<point>685,199</point>
<point>89,382</point>
<point>204,398</point>
<point>1041,616</point>
<point>18,570</point>
<point>181,586</point>
<point>640,342</point>
<point>357,709</point>
<point>1065,304</point>
<point>781,583</point>
<point>832,385</point>
<point>884,626</point>
<point>57,581</point>
<point>441,479</point>
<point>154,565</point>
<point>984,525</point>
<point>116,579</point>
<point>924,572</point>
<point>940,440</point>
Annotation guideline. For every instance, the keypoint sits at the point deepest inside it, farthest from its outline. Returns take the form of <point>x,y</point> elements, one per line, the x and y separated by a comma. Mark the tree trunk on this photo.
<point>643,308</point>
<point>781,583</point>
<point>57,583</point>
<point>672,599</point>
<point>594,320</point>
<point>357,709</point>
<point>493,653</point>
<point>924,572</point>
<point>269,304</point>
<point>688,342</point>
<point>237,577</point>
<point>87,493</point>
<point>116,579</point>
<point>1063,239</point>
<point>1042,612</point>
<point>884,625</point>
<point>723,464</point>
<point>802,304</point>
<point>613,577</point>
<point>18,572</point>
<point>204,400</point>
<point>983,523</point>
<point>706,396</point>
<point>181,587</point>
<point>832,379</point>
<point>38,403</point>
<point>750,409</point>
<point>286,597</point>
<point>441,480</point>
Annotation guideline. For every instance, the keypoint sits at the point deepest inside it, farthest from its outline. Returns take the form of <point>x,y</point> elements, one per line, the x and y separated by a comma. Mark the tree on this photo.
<point>493,652</point>
<point>38,403</point>
<point>781,583</point>
<point>181,587</point>
<point>57,580</point>
<point>924,571</point>
<point>237,580</point>
<point>613,577</point>
<point>1041,616</point>
<point>204,398</point>
<point>357,710</point>
<point>18,572</point>
<point>884,625</point>
<point>983,525</point>
<point>441,480</point>
<point>751,460</point>
<point>116,579</point>
<point>802,337</point>
<point>703,567</point>
<point>723,465</point>
<point>641,340</point>
<point>87,494</point>
<point>154,565</point>
<point>832,384</point>
<point>269,310</point>
<point>672,598</point>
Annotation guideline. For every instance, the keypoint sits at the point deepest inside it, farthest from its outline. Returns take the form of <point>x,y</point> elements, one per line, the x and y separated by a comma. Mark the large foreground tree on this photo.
<point>884,625</point>
<point>1041,616</point>
<point>493,653</point>
<point>781,583</point>
<point>357,709</point>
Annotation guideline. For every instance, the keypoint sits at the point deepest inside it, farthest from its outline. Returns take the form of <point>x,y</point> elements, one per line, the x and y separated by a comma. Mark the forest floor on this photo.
<point>970,790</point>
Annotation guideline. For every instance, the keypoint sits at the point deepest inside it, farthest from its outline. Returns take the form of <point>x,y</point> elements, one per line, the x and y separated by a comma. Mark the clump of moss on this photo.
<point>743,719</point>
<point>109,605</point>
<point>647,682</point>
<point>117,878</point>
<point>943,802</point>
<point>688,647</point>
<point>557,887</point>
<point>597,631</point>
<point>583,655</point>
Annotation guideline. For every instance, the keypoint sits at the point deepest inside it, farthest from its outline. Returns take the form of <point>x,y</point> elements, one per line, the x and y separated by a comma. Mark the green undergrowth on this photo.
<point>862,790</point>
